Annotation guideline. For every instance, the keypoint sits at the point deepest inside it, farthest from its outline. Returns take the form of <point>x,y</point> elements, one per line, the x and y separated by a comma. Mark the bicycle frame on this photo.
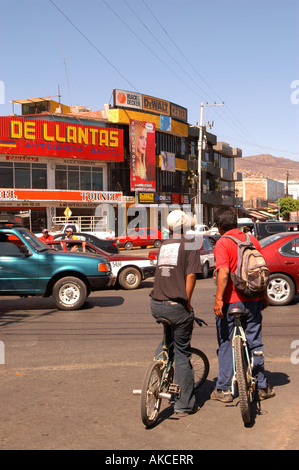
<point>238,331</point>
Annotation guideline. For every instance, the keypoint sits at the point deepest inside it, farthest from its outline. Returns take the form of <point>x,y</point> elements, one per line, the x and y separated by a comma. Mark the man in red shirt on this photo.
<point>228,297</point>
<point>46,237</point>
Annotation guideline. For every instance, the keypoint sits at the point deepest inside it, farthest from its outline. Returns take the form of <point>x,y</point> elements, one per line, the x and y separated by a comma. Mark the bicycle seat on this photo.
<point>164,321</point>
<point>237,311</point>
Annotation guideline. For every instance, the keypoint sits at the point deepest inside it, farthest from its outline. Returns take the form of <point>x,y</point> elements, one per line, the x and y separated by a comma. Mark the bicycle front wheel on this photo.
<point>201,367</point>
<point>241,376</point>
<point>150,401</point>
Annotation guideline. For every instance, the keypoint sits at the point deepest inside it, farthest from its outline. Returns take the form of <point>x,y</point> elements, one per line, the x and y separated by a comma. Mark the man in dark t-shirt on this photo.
<point>177,265</point>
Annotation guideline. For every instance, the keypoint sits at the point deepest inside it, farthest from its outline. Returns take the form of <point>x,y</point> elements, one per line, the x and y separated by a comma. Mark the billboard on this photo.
<point>21,136</point>
<point>142,156</point>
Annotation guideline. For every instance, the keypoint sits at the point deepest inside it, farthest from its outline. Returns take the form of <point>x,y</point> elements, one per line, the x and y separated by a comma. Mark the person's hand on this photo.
<point>265,301</point>
<point>218,308</point>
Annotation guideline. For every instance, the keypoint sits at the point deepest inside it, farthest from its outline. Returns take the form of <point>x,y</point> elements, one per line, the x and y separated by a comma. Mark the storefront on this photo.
<point>48,166</point>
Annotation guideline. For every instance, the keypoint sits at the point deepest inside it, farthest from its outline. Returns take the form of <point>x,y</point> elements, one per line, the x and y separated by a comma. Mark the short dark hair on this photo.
<point>226,218</point>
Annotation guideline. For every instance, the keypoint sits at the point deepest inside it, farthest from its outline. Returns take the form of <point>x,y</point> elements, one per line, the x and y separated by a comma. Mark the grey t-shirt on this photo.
<point>176,259</point>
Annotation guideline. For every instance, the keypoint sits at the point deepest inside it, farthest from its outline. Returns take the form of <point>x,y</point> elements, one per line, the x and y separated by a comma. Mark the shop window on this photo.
<point>39,176</point>
<point>78,178</point>
<point>6,175</point>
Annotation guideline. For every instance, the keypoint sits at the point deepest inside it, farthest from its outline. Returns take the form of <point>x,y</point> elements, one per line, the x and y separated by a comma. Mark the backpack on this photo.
<point>252,274</point>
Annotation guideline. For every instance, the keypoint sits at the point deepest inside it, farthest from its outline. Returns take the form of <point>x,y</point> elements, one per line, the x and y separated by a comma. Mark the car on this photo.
<point>111,246</point>
<point>265,229</point>
<point>281,251</point>
<point>30,268</point>
<point>129,271</point>
<point>143,237</point>
<point>206,255</point>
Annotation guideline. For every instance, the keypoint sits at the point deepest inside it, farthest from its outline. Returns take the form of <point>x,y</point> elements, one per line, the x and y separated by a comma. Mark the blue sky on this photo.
<point>243,53</point>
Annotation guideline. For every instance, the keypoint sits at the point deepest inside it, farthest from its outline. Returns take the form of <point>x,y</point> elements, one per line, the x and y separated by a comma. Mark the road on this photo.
<point>68,377</point>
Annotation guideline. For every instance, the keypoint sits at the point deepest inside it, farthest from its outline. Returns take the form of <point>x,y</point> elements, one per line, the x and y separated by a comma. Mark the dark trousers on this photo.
<point>252,325</point>
<point>179,342</point>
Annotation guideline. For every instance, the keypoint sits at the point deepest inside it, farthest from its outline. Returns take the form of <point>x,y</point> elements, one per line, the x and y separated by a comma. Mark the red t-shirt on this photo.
<point>50,238</point>
<point>226,256</point>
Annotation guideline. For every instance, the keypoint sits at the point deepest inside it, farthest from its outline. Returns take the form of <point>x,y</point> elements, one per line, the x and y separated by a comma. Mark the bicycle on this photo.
<point>243,366</point>
<point>158,379</point>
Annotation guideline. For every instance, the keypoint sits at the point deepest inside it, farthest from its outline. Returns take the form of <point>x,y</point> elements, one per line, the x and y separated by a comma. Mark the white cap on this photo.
<point>178,219</point>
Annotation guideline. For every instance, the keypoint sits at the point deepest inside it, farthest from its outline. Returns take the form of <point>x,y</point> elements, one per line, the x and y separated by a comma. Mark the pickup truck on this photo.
<point>30,268</point>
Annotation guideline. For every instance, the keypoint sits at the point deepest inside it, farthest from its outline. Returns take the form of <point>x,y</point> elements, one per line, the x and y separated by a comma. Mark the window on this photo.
<point>291,248</point>
<point>78,178</point>
<point>23,175</point>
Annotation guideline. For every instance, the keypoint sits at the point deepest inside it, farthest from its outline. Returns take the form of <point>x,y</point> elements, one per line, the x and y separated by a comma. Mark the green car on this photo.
<point>29,267</point>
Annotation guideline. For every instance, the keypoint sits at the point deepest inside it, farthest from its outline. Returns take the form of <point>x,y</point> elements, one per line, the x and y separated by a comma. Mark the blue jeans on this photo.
<point>252,325</point>
<point>179,343</point>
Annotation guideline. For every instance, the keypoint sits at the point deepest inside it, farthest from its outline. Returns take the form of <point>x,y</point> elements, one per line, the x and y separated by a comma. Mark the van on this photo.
<point>265,229</point>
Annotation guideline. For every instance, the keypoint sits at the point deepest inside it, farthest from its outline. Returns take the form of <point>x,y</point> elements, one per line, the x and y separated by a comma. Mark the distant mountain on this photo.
<point>261,166</point>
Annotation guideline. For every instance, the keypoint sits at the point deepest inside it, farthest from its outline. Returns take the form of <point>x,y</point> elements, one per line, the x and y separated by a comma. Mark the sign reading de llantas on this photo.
<point>20,136</point>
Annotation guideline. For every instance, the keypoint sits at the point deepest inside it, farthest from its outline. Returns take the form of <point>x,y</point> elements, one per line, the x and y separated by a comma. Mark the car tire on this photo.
<point>157,243</point>
<point>281,289</point>
<point>69,293</point>
<point>128,246</point>
<point>129,278</point>
<point>205,270</point>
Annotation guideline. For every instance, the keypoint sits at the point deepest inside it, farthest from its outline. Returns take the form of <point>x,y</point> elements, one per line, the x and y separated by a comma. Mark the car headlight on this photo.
<point>104,267</point>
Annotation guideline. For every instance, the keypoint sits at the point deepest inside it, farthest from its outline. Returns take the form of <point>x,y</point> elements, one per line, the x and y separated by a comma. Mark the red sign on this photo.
<point>143,156</point>
<point>21,136</point>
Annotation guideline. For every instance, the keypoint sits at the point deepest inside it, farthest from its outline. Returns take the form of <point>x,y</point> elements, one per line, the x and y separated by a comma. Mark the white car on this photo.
<point>201,229</point>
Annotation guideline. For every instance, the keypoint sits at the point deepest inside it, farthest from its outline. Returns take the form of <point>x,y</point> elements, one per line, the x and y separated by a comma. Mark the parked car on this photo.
<point>206,255</point>
<point>111,246</point>
<point>30,268</point>
<point>129,271</point>
<point>143,237</point>
<point>281,252</point>
<point>265,229</point>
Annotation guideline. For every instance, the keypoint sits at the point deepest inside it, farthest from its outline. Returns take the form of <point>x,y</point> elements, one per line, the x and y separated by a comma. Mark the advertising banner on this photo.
<point>167,161</point>
<point>58,195</point>
<point>21,136</point>
<point>143,156</point>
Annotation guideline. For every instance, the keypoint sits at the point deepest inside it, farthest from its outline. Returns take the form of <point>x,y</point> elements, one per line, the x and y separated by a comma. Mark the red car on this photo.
<point>140,237</point>
<point>281,252</point>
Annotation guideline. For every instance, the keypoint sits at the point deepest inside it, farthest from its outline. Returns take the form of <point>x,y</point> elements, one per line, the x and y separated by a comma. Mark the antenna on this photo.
<point>66,72</point>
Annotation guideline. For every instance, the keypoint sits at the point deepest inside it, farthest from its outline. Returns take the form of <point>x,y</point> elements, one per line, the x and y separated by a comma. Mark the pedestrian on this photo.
<point>228,297</point>
<point>178,263</point>
<point>69,234</point>
<point>46,236</point>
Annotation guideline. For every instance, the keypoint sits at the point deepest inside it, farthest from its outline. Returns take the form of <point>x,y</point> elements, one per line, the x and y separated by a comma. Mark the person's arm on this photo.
<point>190,284</point>
<point>222,280</point>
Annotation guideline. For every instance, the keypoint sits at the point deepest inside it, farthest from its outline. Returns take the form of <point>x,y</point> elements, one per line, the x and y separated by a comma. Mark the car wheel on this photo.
<point>128,246</point>
<point>157,243</point>
<point>69,293</point>
<point>129,278</point>
<point>205,270</point>
<point>281,289</point>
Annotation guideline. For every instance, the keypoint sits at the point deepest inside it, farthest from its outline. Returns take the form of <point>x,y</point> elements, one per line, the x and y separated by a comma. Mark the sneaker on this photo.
<point>265,393</point>
<point>222,395</point>
<point>182,414</point>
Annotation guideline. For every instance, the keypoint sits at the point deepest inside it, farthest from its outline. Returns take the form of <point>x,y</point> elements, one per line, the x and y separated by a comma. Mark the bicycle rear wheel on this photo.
<point>201,367</point>
<point>150,401</point>
<point>241,375</point>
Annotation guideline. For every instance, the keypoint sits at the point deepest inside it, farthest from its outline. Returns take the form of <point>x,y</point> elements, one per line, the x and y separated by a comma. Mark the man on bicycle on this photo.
<point>227,297</point>
<point>175,278</point>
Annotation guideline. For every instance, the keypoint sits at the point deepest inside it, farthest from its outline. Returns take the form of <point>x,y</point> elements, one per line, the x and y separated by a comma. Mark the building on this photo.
<point>56,161</point>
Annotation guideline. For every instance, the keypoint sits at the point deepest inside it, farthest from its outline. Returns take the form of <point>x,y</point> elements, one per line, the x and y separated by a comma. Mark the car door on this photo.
<point>18,272</point>
<point>209,251</point>
<point>289,258</point>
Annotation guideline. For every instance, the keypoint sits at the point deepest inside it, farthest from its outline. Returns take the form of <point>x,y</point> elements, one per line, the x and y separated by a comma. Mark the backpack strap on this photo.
<point>247,241</point>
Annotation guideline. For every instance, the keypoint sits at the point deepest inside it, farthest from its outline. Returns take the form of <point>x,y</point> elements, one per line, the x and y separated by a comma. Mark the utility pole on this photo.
<point>198,211</point>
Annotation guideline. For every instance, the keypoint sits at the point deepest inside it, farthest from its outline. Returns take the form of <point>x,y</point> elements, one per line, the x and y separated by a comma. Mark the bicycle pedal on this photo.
<point>174,388</point>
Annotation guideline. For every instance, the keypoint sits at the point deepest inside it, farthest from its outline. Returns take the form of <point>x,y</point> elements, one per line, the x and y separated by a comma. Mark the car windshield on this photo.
<point>33,241</point>
<point>267,241</point>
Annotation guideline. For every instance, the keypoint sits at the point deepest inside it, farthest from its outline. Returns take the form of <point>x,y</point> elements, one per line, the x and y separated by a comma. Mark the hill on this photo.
<point>261,166</point>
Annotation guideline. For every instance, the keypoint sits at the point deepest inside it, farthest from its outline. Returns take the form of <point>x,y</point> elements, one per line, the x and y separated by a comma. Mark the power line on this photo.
<point>93,45</point>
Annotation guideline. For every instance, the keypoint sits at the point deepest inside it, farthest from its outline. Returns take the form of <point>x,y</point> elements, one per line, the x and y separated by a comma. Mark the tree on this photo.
<point>287,205</point>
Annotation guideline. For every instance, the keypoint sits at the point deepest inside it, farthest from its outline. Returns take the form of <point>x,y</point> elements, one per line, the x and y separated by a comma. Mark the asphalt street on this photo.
<point>67,378</point>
